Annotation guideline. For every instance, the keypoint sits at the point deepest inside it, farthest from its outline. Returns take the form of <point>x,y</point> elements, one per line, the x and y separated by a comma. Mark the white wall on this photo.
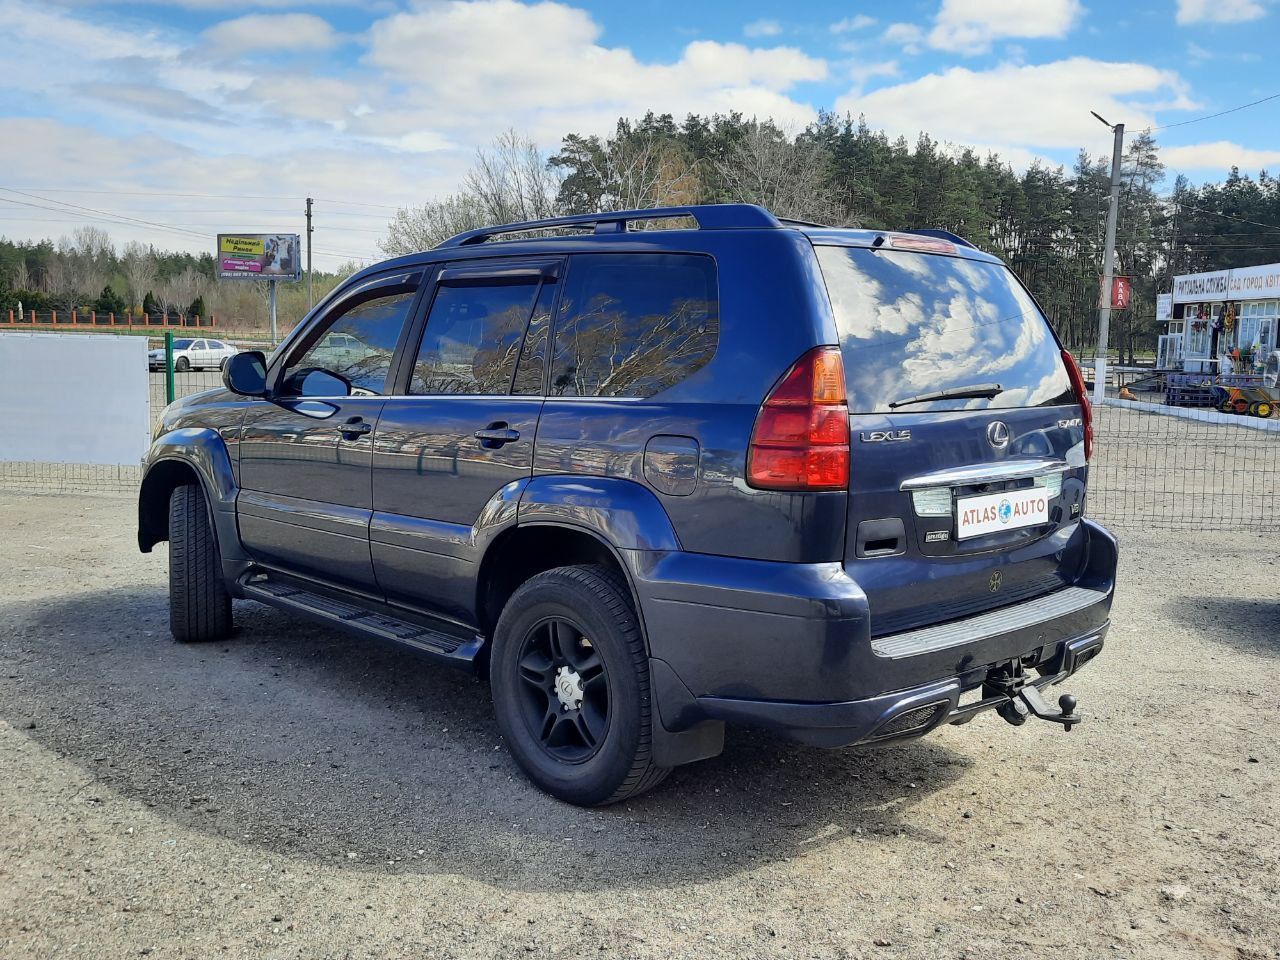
<point>73,398</point>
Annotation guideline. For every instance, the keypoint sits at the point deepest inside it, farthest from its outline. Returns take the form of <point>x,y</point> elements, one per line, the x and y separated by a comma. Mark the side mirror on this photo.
<point>246,374</point>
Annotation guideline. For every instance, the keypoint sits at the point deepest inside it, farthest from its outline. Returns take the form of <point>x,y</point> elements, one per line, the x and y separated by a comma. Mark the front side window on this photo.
<point>472,339</point>
<point>632,325</point>
<point>357,349</point>
<point>912,324</point>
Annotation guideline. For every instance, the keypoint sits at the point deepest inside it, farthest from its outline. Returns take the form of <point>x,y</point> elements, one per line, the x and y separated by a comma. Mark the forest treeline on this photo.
<point>1047,221</point>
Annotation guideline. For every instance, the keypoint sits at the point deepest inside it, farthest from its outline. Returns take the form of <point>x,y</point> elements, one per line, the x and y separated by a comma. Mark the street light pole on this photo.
<point>1108,267</point>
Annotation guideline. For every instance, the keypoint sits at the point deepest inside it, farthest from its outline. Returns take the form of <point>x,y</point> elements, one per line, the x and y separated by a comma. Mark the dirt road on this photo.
<point>293,793</point>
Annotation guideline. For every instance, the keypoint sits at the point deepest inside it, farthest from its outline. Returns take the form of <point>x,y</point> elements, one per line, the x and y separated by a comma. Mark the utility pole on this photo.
<point>311,300</point>
<point>1108,266</point>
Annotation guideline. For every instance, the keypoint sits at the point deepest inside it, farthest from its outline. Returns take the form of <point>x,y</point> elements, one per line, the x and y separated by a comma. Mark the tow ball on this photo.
<point>1024,699</point>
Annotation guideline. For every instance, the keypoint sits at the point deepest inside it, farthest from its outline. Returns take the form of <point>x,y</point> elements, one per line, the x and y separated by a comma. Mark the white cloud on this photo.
<point>1043,107</point>
<point>906,35</point>
<point>271,32</point>
<point>1218,157</point>
<point>762,28</point>
<point>1219,11</point>
<point>1197,54</point>
<point>861,72</point>
<point>970,26</point>
<point>25,26</point>
<point>852,24</point>
<point>541,68</point>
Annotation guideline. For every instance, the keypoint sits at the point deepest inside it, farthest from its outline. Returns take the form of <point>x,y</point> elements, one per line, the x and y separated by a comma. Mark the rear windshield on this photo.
<point>912,324</point>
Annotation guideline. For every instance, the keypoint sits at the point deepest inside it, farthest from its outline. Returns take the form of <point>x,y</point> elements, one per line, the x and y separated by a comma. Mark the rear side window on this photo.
<point>632,325</point>
<point>913,323</point>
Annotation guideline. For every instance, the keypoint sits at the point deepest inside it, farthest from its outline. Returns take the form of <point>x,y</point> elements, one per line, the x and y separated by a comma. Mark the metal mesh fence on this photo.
<point>1179,469</point>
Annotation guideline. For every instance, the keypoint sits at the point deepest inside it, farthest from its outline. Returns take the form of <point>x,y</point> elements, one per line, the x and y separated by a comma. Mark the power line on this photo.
<point>210,196</point>
<point>1221,113</point>
<point>76,206</point>
<point>1225,216</point>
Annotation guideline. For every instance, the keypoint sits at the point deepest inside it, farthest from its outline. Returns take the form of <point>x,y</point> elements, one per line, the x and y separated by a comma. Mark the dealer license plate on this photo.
<point>993,512</point>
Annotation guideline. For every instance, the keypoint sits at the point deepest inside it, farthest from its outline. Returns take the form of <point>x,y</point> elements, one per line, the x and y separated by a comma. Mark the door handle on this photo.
<point>354,428</point>
<point>496,434</point>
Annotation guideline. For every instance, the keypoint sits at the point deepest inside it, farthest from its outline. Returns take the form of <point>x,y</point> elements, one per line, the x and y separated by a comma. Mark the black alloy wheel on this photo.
<point>564,690</point>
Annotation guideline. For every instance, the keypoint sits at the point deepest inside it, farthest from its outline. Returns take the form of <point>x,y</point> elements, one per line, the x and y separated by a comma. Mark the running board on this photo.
<point>287,595</point>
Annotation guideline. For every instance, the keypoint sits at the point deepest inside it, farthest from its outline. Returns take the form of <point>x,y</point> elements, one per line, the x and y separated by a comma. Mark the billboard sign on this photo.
<point>259,256</point>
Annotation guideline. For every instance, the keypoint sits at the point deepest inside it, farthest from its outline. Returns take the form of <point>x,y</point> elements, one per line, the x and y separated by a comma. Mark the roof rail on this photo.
<point>793,222</point>
<point>711,216</point>
<point>942,235</point>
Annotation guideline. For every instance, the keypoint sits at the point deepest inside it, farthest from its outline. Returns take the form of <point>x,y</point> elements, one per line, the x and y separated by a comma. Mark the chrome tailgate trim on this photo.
<point>985,625</point>
<point>985,473</point>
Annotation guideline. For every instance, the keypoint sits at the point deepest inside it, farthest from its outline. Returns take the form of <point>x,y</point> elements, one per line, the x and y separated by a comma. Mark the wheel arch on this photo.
<point>527,549</point>
<point>184,456</point>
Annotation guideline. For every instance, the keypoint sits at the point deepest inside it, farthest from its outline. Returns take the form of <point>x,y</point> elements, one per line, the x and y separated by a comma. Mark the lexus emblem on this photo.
<point>996,579</point>
<point>998,435</point>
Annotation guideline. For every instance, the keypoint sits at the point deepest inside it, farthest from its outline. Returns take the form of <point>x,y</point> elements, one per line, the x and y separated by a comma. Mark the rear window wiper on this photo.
<point>984,390</point>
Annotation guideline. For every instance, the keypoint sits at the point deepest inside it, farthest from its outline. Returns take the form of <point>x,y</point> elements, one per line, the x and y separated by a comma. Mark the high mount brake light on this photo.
<point>1082,398</point>
<point>905,241</point>
<point>801,437</point>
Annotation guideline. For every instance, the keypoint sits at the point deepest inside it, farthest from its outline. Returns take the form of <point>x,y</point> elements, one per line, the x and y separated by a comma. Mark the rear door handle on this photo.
<point>496,434</point>
<point>354,428</point>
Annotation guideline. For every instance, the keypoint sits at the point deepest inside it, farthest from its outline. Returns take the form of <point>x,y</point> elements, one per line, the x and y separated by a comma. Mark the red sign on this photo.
<point>1121,292</point>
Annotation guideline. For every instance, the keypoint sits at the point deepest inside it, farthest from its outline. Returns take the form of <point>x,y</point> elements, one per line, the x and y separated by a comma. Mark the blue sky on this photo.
<point>124,108</point>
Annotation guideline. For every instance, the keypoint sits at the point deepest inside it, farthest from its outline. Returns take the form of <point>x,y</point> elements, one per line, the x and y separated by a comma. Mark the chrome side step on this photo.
<point>289,595</point>
<point>912,643</point>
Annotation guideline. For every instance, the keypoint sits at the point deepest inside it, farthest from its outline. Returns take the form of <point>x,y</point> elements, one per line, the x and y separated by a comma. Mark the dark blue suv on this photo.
<point>652,481</point>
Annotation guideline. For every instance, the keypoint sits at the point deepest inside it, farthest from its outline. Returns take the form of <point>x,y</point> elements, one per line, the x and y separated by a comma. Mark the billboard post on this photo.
<point>271,290</point>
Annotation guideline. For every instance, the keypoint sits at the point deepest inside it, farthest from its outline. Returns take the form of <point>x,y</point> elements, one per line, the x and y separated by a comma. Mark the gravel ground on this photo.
<point>293,793</point>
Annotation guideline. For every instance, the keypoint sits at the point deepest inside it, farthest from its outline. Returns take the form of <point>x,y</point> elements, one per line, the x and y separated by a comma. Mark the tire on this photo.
<point>199,605</point>
<point>1240,406</point>
<point>222,364</point>
<point>600,752</point>
<point>1263,409</point>
<point>181,365</point>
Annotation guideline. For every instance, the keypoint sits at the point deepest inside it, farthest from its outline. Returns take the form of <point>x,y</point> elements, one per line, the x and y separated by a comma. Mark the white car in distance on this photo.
<point>194,355</point>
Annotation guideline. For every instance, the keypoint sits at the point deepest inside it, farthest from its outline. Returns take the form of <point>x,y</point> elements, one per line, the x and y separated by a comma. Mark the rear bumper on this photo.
<point>899,715</point>
<point>788,646</point>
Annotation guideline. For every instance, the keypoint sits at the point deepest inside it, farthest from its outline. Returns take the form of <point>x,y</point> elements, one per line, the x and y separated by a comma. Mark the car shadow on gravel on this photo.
<point>1248,624</point>
<point>304,742</point>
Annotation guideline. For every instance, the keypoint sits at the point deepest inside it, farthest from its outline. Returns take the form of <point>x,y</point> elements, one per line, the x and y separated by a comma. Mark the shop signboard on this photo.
<point>1242,283</point>
<point>1164,307</point>
<point>1121,292</point>
<point>259,256</point>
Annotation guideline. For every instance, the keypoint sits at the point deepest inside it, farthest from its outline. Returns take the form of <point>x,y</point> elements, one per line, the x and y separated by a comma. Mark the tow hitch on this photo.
<point>1022,698</point>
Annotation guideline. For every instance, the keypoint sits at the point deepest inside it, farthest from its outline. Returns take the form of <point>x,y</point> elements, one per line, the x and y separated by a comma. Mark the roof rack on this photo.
<point>712,216</point>
<point>793,222</point>
<point>942,235</point>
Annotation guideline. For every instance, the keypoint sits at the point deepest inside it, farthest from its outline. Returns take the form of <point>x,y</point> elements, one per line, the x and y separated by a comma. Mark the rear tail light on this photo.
<point>801,437</point>
<point>1082,398</point>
